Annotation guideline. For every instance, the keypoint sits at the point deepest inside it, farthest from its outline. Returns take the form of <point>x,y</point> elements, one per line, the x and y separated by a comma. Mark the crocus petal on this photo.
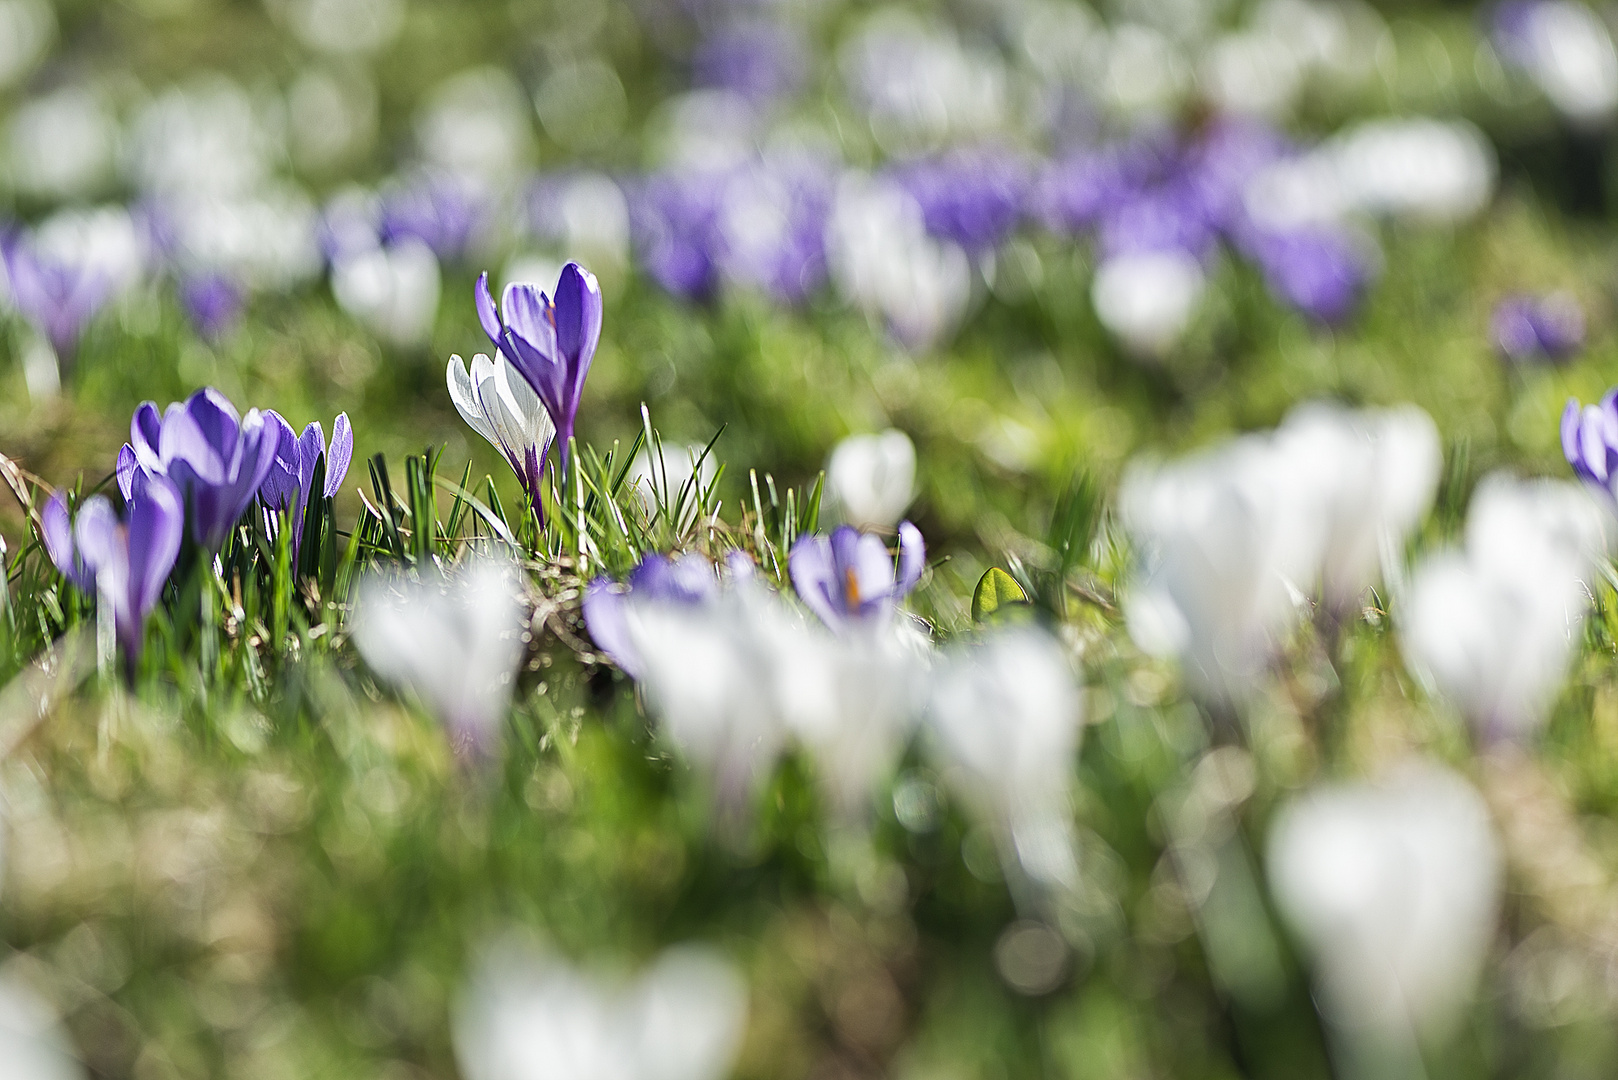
<point>528,314</point>
<point>912,559</point>
<point>216,417</point>
<point>487,315</point>
<point>1570,432</point>
<point>311,444</point>
<point>339,454</point>
<point>866,570</point>
<point>463,392</point>
<point>606,616</point>
<point>125,469</point>
<point>282,485</point>
<point>578,322</point>
<point>533,418</point>
<point>95,535</point>
<point>813,570</point>
<point>156,521</point>
<point>538,367</point>
<point>56,529</point>
<point>145,432</point>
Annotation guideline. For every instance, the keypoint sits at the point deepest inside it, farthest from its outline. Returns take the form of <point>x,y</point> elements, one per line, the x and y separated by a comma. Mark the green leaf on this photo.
<point>996,591</point>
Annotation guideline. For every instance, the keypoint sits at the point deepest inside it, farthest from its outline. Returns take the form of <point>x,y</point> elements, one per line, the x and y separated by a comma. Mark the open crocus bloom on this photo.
<point>550,343</point>
<point>286,487</point>
<point>216,458</point>
<point>686,580</point>
<point>501,406</point>
<point>126,562</point>
<point>1590,441</point>
<point>849,577</point>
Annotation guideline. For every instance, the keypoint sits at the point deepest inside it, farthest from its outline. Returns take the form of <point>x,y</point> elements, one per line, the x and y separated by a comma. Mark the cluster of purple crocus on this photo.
<point>848,579</point>
<point>1159,191</point>
<point>198,461</point>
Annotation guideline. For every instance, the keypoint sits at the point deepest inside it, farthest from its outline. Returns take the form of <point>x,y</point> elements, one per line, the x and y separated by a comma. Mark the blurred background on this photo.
<point>1038,236</point>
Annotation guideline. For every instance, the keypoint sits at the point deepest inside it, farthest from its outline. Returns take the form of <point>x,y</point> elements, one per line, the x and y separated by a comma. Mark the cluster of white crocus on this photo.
<point>1492,625</point>
<point>1236,538</point>
<point>734,680</point>
<point>884,262</point>
<point>871,479</point>
<point>455,643</point>
<point>1394,891</point>
<point>527,1015</point>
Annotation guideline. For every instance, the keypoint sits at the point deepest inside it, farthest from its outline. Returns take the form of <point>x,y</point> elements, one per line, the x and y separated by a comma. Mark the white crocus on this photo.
<point>527,1015</point>
<point>1492,626</point>
<point>1147,299</point>
<point>1225,540</point>
<point>1422,168</point>
<point>1568,51</point>
<point>393,290</point>
<point>1371,474</point>
<point>871,479</point>
<point>1005,715</point>
<point>456,643</point>
<point>883,261</point>
<point>497,402</point>
<point>1394,890</point>
<point>32,1044</point>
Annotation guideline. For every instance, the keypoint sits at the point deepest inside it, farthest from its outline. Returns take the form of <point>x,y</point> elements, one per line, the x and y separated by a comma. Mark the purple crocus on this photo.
<point>1319,270</point>
<point>550,343</point>
<point>442,212</point>
<point>1590,441</point>
<point>126,561</point>
<point>762,61</point>
<point>974,197</point>
<point>59,297</point>
<point>673,219</point>
<point>770,233</point>
<point>687,580</point>
<point>848,578</point>
<point>1530,328</point>
<point>213,303</point>
<point>217,458</point>
<point>286,486</point>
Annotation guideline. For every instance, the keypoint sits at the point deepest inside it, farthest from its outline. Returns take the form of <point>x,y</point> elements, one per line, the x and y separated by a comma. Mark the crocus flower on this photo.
<point>1492,627</point>
<point>217,458</point>
<point>1005,718</point>
<point>849,578</point>
<point>1529,328</point>
<point>674,224</point>
<point>1394,890</point>
<point>58,296</point>
<point>1319,270</point>
<point>1590,441</point>
<point>528,1013</point>
<point>550,343</point>
<point>457,644</point>
<point>286,486</point>
<point>443,212</point>
<point>687,580</point>
<point>213,303</point>
<point>871,479</point>
<point>392,288</point>
<point>974,197</point>
<point>1567,49</point>
<point>503,408</point>
<point>125,561</point>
